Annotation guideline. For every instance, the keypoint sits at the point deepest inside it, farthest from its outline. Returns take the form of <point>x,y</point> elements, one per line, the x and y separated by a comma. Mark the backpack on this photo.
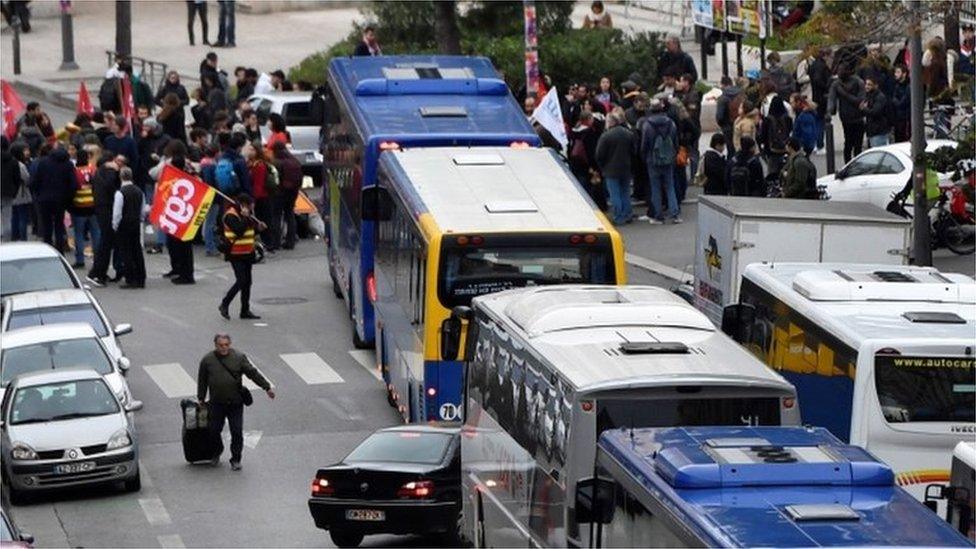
<point>108,97</point>
<point>777,133</point>
<point>662,150</point>
<point>227,181</point>
<point>739,177</point>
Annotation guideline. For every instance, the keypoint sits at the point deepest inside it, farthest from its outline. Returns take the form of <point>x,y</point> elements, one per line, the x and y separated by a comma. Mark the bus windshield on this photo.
<point>669,412</point>
<point>919,389</point>
<point>469,272</point>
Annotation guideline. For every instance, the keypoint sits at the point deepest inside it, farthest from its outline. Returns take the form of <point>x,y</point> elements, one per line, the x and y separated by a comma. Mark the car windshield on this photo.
<point>58,315</point>
<point>402,446</point>
<point>917,389</point>
<point>70,353</point>
<point>30,275</point>
<point>468,273</point>
<point>61,401</point>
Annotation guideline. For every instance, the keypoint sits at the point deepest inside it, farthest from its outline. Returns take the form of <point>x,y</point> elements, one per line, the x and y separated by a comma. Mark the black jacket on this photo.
<point>174,125</point>
<point>168,88</point>
<point>221,377</point>
<point>756,185</point>
<point>876,113</point>
<point>104,184</point>
<point>54,180</point>
<point>724,116</point>
<point>820,76</point>
<point>679,63</point>
<point>714,167</point>
<point>614,151</point>
<point>901,100</point>
<point>9,173</point>
<point>845,99</point>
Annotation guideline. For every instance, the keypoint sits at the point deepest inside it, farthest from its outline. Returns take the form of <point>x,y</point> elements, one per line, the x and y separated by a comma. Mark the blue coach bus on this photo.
<point>389,103</point>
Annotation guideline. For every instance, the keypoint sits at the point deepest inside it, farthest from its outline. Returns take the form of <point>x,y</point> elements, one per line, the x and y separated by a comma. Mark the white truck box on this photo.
<point>734,231</point>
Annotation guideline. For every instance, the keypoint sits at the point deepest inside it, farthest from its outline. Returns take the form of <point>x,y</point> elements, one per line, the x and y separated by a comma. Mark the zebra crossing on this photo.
<point>178,381</point>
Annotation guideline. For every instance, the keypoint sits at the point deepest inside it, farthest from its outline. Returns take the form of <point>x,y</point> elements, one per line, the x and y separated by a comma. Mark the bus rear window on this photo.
<point>670,412</point>
<point>469,272</point>
<point>918,389</point>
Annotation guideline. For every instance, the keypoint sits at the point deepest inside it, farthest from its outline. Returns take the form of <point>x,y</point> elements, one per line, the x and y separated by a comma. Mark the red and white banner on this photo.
<point>181,203</point>
<point>84,100</point>
<point>12,106</point>
<point>128,102</point>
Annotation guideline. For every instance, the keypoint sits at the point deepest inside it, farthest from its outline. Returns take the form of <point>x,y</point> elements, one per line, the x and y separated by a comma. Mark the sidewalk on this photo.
<point>265,42</point>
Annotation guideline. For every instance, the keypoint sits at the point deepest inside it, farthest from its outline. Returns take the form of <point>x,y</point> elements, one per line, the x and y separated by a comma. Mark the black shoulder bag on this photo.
<point>246,397</point>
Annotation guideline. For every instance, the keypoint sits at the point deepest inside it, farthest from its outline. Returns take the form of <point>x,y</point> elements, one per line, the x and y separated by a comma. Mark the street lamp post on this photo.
<point>15,23</point>
<point>921,243</point>
<point>67,38</point>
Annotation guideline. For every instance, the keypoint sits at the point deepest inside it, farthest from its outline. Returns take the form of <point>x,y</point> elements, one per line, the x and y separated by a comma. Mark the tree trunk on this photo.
<point>123,27</point>
<point>446,29</point>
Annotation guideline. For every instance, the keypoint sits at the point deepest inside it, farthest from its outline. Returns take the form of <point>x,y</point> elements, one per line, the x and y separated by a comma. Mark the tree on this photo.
<point>446,28</point>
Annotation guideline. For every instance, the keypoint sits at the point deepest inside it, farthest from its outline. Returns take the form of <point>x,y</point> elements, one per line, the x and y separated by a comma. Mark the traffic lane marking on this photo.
<point>155,511</point>
<point>367,359</point>
<point>173,541</point>
<point>172,379</point>
<point>311,368</point>
<point>659,268</point>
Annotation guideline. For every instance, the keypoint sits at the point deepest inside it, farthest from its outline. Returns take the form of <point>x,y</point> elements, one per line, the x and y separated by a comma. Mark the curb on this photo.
<point>51,93</point>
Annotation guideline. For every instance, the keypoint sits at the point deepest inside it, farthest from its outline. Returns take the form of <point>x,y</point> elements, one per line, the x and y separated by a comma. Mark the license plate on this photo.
<point>373,515</point>
<point>68,468</point>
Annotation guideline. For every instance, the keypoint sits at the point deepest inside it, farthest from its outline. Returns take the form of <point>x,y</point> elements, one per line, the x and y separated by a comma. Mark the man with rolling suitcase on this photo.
<point>221,375</point>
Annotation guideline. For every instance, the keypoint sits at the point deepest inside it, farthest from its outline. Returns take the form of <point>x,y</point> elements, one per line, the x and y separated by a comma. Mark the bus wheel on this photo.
<point>335,283</point>
<point>357,341</point>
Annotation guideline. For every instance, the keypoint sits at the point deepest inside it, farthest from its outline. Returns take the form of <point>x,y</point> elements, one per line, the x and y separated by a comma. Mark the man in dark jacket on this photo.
<point>127,209</point>
<point>172,85</point>
<point>724,116</point>
<point>120,142</point>
<point>659,148</point>
<point>9,185</point>
<point>290,181</point>
<point>675,60</point>
<point>901,104</point>
<point>875,109</point>
<point>820,76</point>
<point>799,174</point>
<point>613,155</point>
<point>745,175</point>
<point>368,46</point>
<point>846,96</point>
<point>221,375</point>
<point>104,184</point>
<point>52,187</point>
<point>714,166</point>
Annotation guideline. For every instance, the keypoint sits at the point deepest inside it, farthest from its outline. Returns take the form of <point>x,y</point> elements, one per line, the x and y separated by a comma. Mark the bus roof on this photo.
<point>429,99</point>
<point>773,487</point>
<point>604,337</point>
<point>495,189</point>
<point>860,302</point>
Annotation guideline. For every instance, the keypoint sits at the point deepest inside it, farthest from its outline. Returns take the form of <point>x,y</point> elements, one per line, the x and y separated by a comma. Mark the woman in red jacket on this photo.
<point>258,165</point>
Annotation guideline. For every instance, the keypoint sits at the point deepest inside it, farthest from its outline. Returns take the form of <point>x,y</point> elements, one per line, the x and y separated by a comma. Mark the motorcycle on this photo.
<point>952,216</point>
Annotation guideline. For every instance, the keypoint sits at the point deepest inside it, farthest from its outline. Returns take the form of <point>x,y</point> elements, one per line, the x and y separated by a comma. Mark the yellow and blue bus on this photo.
<point>455,223</point>
<point>380,104</point>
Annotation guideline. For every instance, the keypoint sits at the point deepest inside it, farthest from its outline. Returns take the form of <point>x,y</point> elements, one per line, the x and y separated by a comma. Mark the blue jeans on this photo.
<point>662,178</point>
<point>209,242</point>
<point>877,140</point>
<point>619,190</point>
<point>19,219</point>
<point>84,224</point>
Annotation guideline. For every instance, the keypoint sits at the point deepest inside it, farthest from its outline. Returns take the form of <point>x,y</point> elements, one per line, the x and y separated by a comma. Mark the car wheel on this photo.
<point>345,539</point>
<point>456,538</point>
<point>134,484</point>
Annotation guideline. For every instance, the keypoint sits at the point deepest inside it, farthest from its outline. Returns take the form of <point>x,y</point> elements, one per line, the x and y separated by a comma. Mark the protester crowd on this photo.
<point>641,140</point>
<point>98,175</point>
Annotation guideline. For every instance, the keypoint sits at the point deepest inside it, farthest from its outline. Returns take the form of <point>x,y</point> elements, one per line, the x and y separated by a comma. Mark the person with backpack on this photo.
<point>745,175</point>
<point>240,229</point>
<point>799,177</point>
<point>876,113</point>
<point>775,130</point>
<point>713,167</point>
<point>724,113</point>
<point>846,96</point>
<point>806,127</point>
<point>659,149</point>
<point>231,172</point>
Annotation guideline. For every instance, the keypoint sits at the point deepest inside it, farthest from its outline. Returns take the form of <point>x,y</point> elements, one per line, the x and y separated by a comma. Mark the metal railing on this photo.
<point>151,72</point>
<point>673,13</point>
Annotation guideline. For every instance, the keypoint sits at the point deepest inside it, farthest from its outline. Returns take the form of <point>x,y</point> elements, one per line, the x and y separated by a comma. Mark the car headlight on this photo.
<point>23,452</point>
<point>120,439</point>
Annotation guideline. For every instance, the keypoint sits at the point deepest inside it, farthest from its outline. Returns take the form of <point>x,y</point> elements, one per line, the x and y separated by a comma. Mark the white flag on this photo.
<point>550,115</point>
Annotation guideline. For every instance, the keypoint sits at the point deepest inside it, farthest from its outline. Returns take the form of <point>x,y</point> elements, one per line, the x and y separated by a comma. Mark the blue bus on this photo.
<point>381,104</point>
<point>748,487</point>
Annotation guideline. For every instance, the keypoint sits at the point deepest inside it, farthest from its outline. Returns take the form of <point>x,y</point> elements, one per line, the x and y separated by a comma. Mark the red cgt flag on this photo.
<point>12,106</point>
<point>128,103</point>
<point>181,203</point>
<point>84,100</point>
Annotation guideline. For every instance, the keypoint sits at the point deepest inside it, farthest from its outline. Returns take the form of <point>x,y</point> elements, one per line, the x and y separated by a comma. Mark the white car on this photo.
<point>61,346</point>
<point>59,307</point>
<point>33,266</point>
<point>66,428</point>
<point>876,174</point>
<point>296,109</point>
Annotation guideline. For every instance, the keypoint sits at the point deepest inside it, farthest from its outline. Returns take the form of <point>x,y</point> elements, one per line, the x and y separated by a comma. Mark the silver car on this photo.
<point>61,346</point>
<point>295,108</point>
<point>65,428</point>
<point>33,266</point>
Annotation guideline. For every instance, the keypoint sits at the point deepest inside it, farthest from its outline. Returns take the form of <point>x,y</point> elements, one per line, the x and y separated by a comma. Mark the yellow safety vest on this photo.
<point>239,245</point>
<point>84,197</point>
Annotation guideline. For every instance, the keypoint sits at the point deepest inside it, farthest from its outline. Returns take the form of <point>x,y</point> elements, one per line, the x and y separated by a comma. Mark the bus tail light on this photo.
<point>389,146</point>
<point>519,145</point>
<point>789,402</point>
<point>419,489</point>
<point>431,392</point>
<point>582,239</point>
<point>322,487</point>
<point>586,405</point>
<point>474,240</point>
<point>371,287</point>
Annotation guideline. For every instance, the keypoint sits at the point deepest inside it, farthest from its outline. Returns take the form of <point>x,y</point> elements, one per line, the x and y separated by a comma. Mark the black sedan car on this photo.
<point>400,480</point>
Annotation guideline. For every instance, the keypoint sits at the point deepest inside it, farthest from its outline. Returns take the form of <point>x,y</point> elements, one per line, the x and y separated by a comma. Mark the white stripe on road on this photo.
<point>251,439</point>
<point>155,511</point>
<point>144,474</point>
<point>172,380</point>
<point>367,359</point>
<point>171,541</point>
<point>659,268</point>
<point>311,368</point>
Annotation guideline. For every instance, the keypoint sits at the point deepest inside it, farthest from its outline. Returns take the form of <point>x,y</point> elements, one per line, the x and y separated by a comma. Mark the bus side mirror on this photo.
<point>451,330</point>
<point>737,320</point>
<point>376,204</point>
<point>594,500</point>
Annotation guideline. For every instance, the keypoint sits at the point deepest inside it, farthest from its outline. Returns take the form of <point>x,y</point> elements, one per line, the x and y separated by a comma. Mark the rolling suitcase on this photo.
<point>199,443</point>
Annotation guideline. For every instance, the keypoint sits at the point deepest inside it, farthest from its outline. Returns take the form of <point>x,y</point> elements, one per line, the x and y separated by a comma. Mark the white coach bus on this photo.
<point>550,368</point>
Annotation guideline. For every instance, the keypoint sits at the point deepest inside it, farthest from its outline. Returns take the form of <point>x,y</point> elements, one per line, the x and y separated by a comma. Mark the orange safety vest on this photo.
<point>239,245</point>
<point>84,197</point>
